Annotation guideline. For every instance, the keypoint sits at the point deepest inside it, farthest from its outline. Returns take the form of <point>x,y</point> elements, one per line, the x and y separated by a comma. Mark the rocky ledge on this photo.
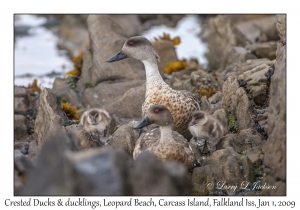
<point>243,86</point>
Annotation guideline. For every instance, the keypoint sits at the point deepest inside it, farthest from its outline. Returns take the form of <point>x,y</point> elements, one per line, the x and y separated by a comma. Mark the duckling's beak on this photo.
<point>192,123</point>
<point>143,123</point>
<point>117,57</point>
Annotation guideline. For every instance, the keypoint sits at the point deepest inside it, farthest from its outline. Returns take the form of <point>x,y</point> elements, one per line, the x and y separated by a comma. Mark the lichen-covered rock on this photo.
<point>275,147</point>
<point>50,117</point>
<point>224,166</point>
<point>63,91</point>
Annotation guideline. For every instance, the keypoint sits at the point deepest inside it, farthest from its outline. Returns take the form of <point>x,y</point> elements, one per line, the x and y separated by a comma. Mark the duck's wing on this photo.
<point>192,96</point>
<point>146,142</point>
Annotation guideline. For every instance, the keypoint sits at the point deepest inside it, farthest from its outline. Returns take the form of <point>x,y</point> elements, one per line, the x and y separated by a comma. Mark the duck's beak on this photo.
<point>117,57</point>
<point>143,123</point>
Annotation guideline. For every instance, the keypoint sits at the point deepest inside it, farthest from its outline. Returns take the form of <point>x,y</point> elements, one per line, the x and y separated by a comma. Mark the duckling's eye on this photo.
<point>131,43</point>
<point>156,111</point>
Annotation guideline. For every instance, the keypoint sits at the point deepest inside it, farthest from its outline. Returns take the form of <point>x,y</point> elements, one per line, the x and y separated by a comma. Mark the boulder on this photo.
<point>275,147</point>
<point>107,39</point>
<point>131,24</point>
<point>49,119</point>
<point>223,168</point>
<point>20,127</point>
<point>106,93</point>
<point>149,176</point>
<point>263,50</point>
<point>125,137</point>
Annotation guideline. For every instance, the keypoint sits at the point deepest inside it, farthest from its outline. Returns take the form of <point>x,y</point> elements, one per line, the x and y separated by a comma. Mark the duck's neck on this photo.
<point>152,73</point>
<point>166,133</point>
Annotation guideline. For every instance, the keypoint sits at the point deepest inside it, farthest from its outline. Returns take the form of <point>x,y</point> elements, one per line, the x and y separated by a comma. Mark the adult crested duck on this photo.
<point>165,143</point>
<point>180,103</point>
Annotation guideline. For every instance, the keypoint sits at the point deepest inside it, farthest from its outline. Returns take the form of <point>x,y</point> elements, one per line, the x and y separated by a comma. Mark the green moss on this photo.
<point>232,122</point>
<point>89,85</point>
<point>241,152</point>
<point>63,100</point>
<point>72,81</point>
<point>258,172</point>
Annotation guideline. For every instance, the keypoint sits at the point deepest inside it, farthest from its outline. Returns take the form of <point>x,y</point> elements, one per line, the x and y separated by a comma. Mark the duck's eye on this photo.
<point>156,111</point>
<point>131,43</point>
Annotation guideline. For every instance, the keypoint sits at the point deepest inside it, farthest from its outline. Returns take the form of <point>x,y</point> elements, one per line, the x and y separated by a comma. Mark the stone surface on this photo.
<point>264,50</point>
<point>166,51</point>
<point>275,147</point>
<point>149,176</point>
<point>20,106</point>
<point>49,118</point>
<point>125,137</point>
<point>52,174</point>
<point>221,115</point>
<point>223,166</point>
<point>106,93</point>
<point>131,24</point>
<point>281,28</point>
<point>130,104</point>
<point>107,39</point>
<point>62,90</point>
<point>20,127</point>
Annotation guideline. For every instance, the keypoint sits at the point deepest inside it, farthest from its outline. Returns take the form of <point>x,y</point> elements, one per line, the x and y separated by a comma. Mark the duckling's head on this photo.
<point>94,117</point>
<point>198,118</point>
<point>137,47</point>
<point>157,114</point>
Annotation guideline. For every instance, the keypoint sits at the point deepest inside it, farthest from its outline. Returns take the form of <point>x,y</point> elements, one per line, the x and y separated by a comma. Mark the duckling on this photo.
<point>165,143</point>
<point>95,121</point>
<point>204,126</point>
<point>180,103</point>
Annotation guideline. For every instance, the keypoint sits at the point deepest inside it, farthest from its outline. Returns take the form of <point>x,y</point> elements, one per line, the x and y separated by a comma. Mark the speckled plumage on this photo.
<point>180,103</point>
<point>165,143</point>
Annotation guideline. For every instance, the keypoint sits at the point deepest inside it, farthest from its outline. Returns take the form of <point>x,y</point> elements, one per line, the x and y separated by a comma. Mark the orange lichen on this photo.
<point>175,40</point>
<point>71,112</point>
<point>35,86</point>
<point>77,62</point>
<point>208,92</point>
<point>175,66</point>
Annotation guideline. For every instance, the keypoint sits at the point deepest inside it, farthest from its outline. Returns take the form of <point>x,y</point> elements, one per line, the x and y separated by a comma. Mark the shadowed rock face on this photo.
<point>62,168</point>
<point>275,148</point>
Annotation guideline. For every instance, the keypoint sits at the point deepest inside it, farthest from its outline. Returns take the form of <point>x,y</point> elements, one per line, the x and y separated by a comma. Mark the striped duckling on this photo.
<point>204,126</point>
<point>95,121</point>
<point>180,103</point>
<point>165,143</point>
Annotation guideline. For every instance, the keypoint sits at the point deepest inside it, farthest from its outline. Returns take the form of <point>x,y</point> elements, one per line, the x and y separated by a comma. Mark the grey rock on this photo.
<point>20,127</point>
<point>19,91</point>
<point>166,51</point>
<point>20,106</point>
<point>224,165</point>
<point>264,50</point>
<point>131,24</point>
<point>100,172</point>
<point>106,93</point>
<point>275,147</point>
<point>255,156</point>
<point>281,28</point>
<point>150,176</point>
<point>125,137</point>
<point>49,118</point>
<point>106,40</point>
<point>52,174</point>
<point>130,104</point>
<point>63,90</point>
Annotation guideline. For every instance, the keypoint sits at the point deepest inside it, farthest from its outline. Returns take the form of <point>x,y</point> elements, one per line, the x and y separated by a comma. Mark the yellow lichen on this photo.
<point>35,86</point>
<point>77,62</point>
<point>175,66</point>
<point>175,40</point>
<point>71,112</point>
<point>208,92</point>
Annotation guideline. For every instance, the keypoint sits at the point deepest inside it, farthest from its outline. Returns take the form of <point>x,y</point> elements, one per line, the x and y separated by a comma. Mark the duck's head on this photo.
<point>94,117</point>
<point>157,114</point>
<point>137,47</point>
<point>198,118</point>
